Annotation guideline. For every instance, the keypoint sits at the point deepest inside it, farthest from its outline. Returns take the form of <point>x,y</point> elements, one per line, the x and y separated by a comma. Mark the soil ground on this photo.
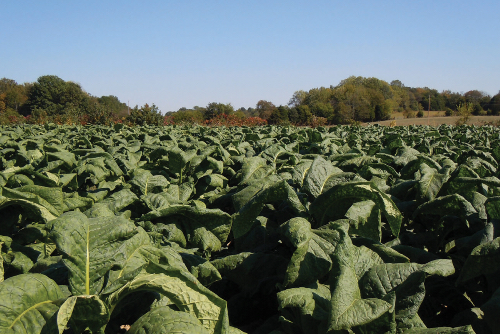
<point>438,120</point>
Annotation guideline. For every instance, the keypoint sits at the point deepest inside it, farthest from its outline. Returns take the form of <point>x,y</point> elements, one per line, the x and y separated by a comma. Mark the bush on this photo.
<point>10,116</point>
<point>420,114</point>
<point>38,116</point>
<point>145,115</point>
<point>409,113</point>
<point>233,120</point>
<point>464,111</point>
<point>448,112</point>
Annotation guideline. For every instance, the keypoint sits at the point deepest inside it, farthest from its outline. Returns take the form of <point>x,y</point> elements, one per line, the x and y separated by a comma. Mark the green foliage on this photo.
<point>145,115</point>
<point>270,229</point>
<point>265,109</point>
<point>420,114</point>
<point>10,116</point>
<point>465,111</point>
<point>112,104</point>
<point>188,116</point>
<point>99,114</point>
<point>56,96</point>
<point>279,116</point>
<point>494,105</point>
<point>215,109</point>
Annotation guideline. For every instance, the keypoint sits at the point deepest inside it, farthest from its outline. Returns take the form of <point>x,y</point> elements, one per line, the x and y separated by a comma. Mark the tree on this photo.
<point>265,109</point>
<point>318,95</point>
<point>145,115</point>
<point>113,104</point>
<point>322,109</point>
<point>304,115</point>
<point>494,104</point>
<point>188,116</point>
<point>297,99</point>
<point>397,83</point>
<point>56,96</point>
<point>97,113</point>
<point>215,109</point>
<point>464,111</point>
<point>343,114</point>
<point>13,94</point>
<point>279,116</point>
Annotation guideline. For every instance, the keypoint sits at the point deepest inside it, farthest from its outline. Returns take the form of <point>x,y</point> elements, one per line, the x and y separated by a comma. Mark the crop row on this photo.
<point>259,230</point>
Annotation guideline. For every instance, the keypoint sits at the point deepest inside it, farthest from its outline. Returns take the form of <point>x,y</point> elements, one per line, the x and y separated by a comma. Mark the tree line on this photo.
<point>355,99</point>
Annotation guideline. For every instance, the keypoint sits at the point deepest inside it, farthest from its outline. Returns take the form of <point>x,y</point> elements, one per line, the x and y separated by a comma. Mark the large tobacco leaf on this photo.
<point>183,290</point>
<point>279,192</point>
<point>311,258</point>
<point>329,205</point>
<point>90,247</point>
<point>165,320</point>
<point>27,302</point>
<point>203,228</point>
<point>317,176</point>
<point>348,307</point>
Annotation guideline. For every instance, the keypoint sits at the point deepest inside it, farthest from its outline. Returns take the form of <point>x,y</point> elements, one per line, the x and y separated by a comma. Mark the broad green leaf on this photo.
<point>165,320</point>
<point>203,228</point>
<point>78,313</point>
<point>491,311</point>
<point>34,211</point>
<point>113,204</point>
<point>385,324</point>
<point>254,168</point>
<point>27,302</point>
<point>179,159</point>
<point>90,247</point>
<point>364,259</point>
<point>441,330</point>
<point>249,270</point>
<point>430,183</point>
<point>243,196</point>
<point>311,258</point>
<point>348,309</point>
<point>327,205</point>
<point>406,280</point>
<point>2,271</point>
<point>447,205</point>
<point>305,309</point>
<point>299,172</point>
<point>366,220</point>
<point>184,291</point>
<point>138,251</point>
<point>144,182</point>
<point>202,269</point>
<point>46,197</point>
<point>279,192</point>
<point>484,259</point>
<point>317,176</point>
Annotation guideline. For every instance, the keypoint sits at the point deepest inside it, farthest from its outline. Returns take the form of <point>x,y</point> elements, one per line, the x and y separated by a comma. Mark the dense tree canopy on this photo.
<point>354,99</point>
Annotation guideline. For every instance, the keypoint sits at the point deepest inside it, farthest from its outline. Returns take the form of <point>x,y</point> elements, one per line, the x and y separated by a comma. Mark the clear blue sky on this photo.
<point>185,53</point>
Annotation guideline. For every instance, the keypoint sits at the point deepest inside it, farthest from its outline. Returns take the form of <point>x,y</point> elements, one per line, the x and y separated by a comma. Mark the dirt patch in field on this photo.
<point>436,121</point>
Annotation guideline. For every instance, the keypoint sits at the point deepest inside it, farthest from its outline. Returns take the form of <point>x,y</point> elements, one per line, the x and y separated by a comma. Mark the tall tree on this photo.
<point>112,103</point>
<point>14,95</point>
<point>56,96</point>
<point>265,109</point>
<point>297,99</point>
<point>215,109</point>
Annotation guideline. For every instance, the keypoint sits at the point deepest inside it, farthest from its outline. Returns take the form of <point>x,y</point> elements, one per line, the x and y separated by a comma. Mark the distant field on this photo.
<point>400,115</point>
<point>435,121</point>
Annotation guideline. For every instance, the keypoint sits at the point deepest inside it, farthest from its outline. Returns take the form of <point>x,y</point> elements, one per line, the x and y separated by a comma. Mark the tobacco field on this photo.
<point>249,229</point>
